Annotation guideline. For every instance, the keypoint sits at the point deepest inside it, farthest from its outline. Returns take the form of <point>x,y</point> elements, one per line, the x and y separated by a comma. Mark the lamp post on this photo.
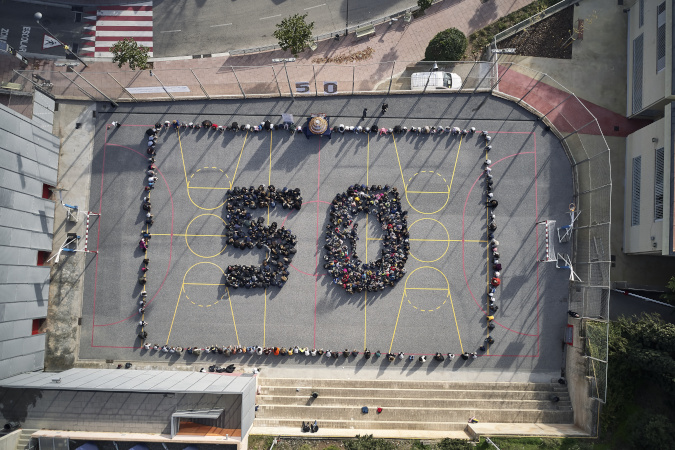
<point>347,21</point>
<point>37,17</point>
<point>285,60</point>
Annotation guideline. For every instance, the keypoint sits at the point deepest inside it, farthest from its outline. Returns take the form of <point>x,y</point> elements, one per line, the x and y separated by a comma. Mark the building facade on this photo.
<point>29,158</point>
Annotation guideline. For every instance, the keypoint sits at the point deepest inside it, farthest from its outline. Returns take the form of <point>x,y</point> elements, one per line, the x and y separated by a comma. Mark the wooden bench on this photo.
<point>11,86</point>
<point>365,31</point>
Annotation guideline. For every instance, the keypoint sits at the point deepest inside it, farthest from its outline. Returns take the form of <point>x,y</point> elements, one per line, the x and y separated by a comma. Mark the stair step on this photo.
<point>353,413</point>
<point>323,400</point>
<point>363,424</point>
<point>334,391</point>
<point>402,384</point>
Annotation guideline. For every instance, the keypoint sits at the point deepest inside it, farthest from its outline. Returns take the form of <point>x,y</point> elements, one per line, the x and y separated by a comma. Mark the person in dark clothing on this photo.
<point>385,107</point>
<point>365,113</point>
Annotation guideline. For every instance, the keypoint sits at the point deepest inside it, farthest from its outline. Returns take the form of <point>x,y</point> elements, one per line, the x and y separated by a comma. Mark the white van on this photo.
<point>437,80</point>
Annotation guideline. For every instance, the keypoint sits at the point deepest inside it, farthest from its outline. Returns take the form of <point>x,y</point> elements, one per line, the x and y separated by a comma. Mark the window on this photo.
<point>38,326</point>
<point>658,185</point>
<point>42,257</point>
<point>46,191</point>
<point>635,195</point>
<point>638,45</point>
<point>641,13</point>
<point>661,37</point>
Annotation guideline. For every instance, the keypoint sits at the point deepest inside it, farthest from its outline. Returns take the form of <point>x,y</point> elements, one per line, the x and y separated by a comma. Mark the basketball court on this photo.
<point>440,305</point>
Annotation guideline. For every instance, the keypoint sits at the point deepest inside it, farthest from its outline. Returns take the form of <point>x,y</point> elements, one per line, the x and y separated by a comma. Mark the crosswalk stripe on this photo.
<point>114,23</point>
<point>128,33</point>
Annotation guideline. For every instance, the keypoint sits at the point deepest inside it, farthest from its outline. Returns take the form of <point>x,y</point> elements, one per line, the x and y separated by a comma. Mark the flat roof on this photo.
<point>153,381</point>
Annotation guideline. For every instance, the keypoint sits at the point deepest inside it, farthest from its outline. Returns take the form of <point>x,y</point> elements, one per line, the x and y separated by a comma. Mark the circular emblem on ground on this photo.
<point>318,125</point>
<point>341,258</point>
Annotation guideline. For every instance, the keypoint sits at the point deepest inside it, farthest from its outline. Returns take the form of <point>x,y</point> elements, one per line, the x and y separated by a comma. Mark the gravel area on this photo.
<point>545,39</point>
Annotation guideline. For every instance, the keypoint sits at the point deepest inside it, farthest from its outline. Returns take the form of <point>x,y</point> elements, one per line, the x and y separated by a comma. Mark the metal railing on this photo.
<point>534,19</point>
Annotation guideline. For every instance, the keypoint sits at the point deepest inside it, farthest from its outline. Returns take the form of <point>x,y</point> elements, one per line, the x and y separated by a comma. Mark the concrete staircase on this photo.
<point>24,439</point>
<point>408,406</point>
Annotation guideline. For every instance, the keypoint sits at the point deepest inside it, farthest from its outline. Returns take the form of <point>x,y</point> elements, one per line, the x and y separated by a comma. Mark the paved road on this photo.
<point>19,30</point>
<point>186,27</point>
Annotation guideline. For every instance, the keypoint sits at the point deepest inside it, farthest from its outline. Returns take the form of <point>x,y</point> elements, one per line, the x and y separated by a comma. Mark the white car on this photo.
<point>435,80</point>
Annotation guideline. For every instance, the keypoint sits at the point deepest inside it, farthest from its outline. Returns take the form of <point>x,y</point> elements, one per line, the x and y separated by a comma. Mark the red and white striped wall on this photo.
<point>114,23</point>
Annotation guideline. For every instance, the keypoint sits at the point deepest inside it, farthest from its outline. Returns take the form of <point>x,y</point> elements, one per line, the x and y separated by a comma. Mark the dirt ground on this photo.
<point>546,39</point>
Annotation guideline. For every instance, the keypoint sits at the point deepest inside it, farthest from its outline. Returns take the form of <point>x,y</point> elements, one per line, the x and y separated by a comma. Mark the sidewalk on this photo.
<point>398,42</point>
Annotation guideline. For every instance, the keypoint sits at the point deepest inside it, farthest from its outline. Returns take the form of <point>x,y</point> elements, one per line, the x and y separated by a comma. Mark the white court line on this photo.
<point>263,18</point>
<point>317,6</point>
<point>221,25</point>
<point>100,33</point>
<point>171,31</point>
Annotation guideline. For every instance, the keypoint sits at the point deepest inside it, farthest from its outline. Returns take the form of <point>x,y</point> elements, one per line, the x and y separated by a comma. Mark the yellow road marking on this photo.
<point>399,165</point>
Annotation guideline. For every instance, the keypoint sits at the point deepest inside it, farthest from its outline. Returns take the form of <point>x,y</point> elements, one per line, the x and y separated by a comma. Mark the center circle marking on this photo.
<point>187,232</point>
<point>446,240</point>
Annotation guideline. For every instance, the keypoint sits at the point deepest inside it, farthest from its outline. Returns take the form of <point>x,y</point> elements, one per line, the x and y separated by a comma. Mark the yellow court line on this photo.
<point>207,187</point>
<point>188,235</point>
<point>399,165</point>
<point>433,240</point>
<point>426,192</point>
<point>365,301</point>
<point>238,161</point>
<point>269,182</point>
<point>459,147</point>
<point>425,289</point>
<point>233,322</point>
<point>205,284</point>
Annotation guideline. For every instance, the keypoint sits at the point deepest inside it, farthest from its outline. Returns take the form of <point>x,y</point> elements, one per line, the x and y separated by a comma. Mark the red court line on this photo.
<point>284,224</point>
<point>168,267</point>
<point>536,229</point>
<point>98,235</point>
<point>316,260</point>
<point>463,249</point>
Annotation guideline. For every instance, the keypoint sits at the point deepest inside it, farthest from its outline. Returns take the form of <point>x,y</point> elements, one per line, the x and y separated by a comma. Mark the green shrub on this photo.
<point>448,45</point>
<point>367,442</point>
<point>454,444</point>
<point>655,431</point>
<point>424,5</point>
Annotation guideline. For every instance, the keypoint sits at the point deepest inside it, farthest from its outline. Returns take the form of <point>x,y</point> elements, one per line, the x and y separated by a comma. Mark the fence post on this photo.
<point>353,78</point>
<point>483,79</point>
<point>528,92</point>
<point>555,107</point>
<point>274,72</point>
<point>160,82</point>
<point>238,83</point>
<point>78,86</point>
<point>391,77</point>
<point>200,85</point>
<point>579,129</point>
<point>289,81</point>
<point>500,78</point>
<point>123,88</point>
<point>112,102</point>
<point>316,89</point>
<point>467,76</point>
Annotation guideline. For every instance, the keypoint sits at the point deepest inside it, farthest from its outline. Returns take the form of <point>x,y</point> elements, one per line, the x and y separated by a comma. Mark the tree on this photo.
<point>128,51</point>
<point>669,296</point>
<point>424,5</point>
<point>294,34</point>
<point>448,45</point>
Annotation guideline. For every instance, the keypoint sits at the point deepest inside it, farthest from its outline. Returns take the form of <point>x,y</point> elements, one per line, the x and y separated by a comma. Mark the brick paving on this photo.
<point>398,42</point>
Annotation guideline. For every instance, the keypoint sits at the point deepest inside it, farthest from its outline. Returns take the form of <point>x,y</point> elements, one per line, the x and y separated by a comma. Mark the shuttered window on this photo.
<point>661,37</point>
<point>635,195</point>
<point>658,184</point>
<point>641,13</point>
<point>638,46</point>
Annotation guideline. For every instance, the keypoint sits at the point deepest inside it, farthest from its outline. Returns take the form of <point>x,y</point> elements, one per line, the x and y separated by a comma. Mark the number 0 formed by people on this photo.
<point>341,258</point>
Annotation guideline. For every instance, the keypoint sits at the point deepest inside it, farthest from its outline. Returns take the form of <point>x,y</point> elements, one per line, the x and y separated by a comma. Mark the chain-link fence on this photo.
<point>275,80</point>
<point>556,106</point>
<point>582,138</point>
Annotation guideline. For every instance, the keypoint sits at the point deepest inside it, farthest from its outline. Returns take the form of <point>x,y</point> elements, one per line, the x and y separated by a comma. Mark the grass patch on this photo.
<point>481,38</point>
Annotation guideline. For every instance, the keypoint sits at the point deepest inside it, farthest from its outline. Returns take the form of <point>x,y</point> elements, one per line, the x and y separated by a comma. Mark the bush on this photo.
<point>448,45</point>
<point>654,432</point>
<point>424,5</point>
<point>454,444</point>
<point>367,442</point>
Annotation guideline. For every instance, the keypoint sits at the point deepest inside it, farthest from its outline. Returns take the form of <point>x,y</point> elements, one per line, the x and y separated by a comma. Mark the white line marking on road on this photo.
<point>171,31</point>
<point>317,6</point>
<point>221,25</point>
<point>270,17</point>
